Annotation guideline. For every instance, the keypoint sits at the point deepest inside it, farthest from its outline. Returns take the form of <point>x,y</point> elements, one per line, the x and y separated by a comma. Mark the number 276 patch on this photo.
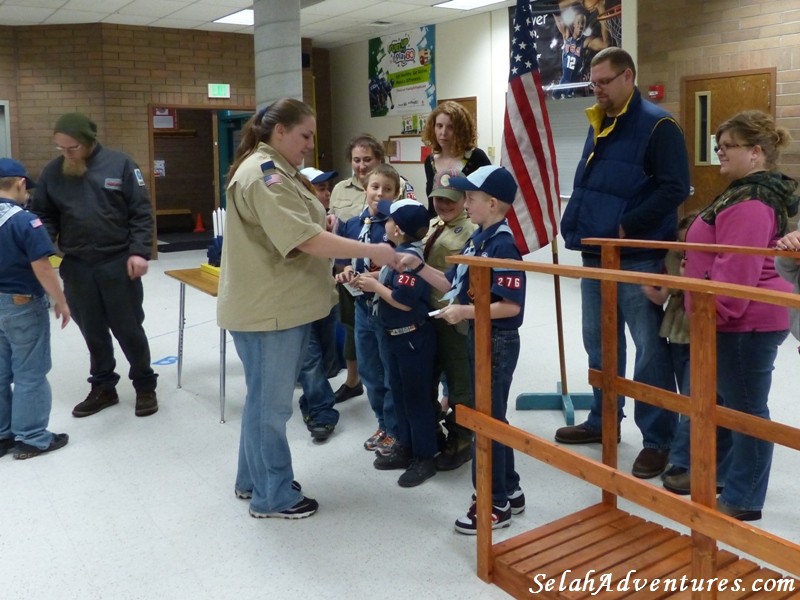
<point>405,279</point>
<point>513,282</point>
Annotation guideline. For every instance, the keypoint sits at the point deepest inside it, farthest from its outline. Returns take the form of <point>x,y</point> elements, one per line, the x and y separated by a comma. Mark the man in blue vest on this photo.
<point>632,176</point>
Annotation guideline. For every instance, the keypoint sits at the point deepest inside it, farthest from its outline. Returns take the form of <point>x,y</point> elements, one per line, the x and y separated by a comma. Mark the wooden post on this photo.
<point>609,259</point>
<point>703,459</point>
<point>480,279</point>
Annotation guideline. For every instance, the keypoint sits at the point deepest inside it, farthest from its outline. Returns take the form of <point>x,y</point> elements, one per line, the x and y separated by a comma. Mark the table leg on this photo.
<point>222,338</point>
<point>181,323</point>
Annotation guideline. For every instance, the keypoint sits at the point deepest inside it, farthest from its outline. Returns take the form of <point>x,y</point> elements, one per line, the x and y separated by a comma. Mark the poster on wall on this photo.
<point>401,73</point>
<point>568,34</point>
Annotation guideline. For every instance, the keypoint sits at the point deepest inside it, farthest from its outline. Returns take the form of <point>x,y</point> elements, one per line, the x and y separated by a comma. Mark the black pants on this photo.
<point>104,301</point>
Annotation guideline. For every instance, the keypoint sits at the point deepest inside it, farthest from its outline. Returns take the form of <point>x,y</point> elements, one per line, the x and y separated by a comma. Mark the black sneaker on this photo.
<point>247,494</point>
<point>6,445</point>
<point>320,433</point>
<point>305,507</point>
<point>98,399</point>
<point>420,470</point>
<point>23,451</point>
<point>398,458</point>
<point>146,403</point>
<point>468,524</point>
<point>457,451</point>
<point>517,501</point>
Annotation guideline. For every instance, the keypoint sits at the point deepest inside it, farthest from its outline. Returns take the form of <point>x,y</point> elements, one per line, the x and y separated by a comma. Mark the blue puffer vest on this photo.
<point>610,180</point>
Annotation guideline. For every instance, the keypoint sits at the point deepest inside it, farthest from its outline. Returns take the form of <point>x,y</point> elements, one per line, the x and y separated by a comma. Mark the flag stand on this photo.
<point>561,399</point>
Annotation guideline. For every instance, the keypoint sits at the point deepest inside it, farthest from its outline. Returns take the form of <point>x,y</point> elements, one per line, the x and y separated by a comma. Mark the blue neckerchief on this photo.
<point>474,246</point>
<point>366,222</point>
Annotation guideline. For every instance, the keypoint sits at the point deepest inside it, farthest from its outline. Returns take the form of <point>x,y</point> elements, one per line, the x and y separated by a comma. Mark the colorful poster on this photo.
<point>568,34</point>
<point>401,73</point>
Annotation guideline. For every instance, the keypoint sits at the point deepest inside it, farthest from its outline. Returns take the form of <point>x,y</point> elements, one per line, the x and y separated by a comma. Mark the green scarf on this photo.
<point>774,189</point>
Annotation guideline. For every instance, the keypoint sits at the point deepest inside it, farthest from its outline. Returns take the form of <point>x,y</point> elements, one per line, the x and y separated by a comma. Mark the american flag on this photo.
<point>528,151</point>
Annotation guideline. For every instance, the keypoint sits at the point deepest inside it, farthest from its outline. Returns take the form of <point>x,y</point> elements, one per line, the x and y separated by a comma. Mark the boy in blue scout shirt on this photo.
<point>490,191</point>
<point>382,183</point>
<point>25,276</point>
<point>410,345</point>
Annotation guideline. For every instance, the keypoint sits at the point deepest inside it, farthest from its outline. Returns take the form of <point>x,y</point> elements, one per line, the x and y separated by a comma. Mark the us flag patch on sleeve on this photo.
<point>272,179</point>
<point>37,222</point>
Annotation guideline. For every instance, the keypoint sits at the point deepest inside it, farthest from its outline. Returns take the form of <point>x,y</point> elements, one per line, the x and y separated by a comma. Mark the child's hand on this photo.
<point>656,295</point>
<point>331,223</point>
<point>454,313</point>
<point>365,283</point>
<point>345,276</point>
<point>791,241</point>
<point>407,262</point>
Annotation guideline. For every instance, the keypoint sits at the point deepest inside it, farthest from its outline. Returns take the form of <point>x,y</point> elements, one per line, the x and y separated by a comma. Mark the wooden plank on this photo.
<point>163,212</point>
<point>196,278</point>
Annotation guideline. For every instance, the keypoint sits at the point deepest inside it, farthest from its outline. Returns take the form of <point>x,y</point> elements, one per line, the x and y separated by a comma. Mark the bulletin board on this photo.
<point>406,149</point>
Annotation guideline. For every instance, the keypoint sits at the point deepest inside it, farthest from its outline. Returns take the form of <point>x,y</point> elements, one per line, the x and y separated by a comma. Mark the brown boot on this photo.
<point>98,399</point>
<point>146,403</point>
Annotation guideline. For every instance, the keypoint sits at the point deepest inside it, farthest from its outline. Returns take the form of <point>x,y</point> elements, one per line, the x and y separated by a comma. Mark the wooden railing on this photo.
<point>698,512</point>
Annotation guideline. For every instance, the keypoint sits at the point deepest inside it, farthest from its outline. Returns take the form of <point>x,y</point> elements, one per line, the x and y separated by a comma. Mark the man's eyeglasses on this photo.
<point>601,83</point>
<point>725,147</point>
<point>68,148</point>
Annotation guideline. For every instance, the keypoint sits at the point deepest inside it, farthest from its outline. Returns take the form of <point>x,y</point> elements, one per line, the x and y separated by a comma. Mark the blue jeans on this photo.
<point>745,362</point>
<point>373,367</point>
<point>411,357</point>
<point>25,362</point>
<point>505,353</point>
<point>653,364</point>
<point>272,361</point>
<point>317,400</point>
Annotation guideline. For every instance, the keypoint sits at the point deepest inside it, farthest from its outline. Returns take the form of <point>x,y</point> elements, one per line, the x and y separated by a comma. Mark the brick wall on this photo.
<point>112,73</point>
<point>685,37</point>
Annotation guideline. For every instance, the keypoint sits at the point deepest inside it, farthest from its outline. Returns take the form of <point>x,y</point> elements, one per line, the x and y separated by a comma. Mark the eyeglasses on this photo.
<point>725,147</point>
<point>601,83</point>
<point>68,148</point>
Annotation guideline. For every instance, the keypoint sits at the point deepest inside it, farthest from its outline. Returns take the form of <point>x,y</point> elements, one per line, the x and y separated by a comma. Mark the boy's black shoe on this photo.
<point>457,451</point>
<point>6,445</point>
<point>98,399</point>
<point>247,494</point>
<point>345,392</point>
<point>398,458</point>
<point>468,524</point>
<point>146,403</point>
<point>305,507</point>
<point>23,451</point>
<point>420,470</point>
<point>320,433</point>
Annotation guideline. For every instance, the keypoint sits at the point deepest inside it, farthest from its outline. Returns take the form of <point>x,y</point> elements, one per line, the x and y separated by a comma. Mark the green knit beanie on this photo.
<point>77,126</point>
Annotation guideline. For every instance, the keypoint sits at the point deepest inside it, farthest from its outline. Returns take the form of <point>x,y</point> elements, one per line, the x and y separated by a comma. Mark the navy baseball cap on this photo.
<point>316,176</point>
<point>13,168</point>
<point>409,215</point>
<point>491,179</point>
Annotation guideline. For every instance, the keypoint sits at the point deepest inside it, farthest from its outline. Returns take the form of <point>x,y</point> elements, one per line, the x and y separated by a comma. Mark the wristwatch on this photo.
<point>418,268</point>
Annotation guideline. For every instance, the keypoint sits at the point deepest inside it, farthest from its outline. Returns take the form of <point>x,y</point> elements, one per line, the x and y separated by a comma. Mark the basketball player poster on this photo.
<point>568,34</point>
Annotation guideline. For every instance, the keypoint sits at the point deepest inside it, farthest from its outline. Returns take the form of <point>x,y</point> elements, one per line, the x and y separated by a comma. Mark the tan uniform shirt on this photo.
<point>347,199</point>
<point>266,284</point>
<point>449,242</point>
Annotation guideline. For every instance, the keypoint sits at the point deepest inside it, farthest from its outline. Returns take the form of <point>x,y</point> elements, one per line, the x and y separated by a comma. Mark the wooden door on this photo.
<point>707,101</point>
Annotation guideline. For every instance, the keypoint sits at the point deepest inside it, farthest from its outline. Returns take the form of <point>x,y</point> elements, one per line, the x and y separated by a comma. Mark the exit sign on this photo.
<point>219,90</point>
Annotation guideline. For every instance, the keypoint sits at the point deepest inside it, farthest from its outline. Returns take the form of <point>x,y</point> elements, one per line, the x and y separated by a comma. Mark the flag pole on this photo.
<point>561,399</point>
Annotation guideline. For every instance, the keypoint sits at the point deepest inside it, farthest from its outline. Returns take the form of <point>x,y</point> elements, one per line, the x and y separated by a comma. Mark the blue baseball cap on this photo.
<point>491,179</point>
<point>409,215</point>
<point>13,168</point>
<point>316,176</point>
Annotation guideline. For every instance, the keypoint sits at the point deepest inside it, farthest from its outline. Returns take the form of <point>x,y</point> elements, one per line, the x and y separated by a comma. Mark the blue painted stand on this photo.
<point>568,403</point>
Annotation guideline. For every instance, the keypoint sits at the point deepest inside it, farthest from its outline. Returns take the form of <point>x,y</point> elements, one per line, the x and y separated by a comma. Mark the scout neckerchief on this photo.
<point>7,211</point>
<point>461,269</point>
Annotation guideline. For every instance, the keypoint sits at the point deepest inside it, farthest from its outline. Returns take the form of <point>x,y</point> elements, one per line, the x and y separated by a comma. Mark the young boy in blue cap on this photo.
<point>25,276</point>
<point>490,192</point>
<point>410,345</point>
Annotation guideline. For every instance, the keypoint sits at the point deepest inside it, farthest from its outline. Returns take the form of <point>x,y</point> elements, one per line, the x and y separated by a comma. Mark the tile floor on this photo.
<point>144,508</point>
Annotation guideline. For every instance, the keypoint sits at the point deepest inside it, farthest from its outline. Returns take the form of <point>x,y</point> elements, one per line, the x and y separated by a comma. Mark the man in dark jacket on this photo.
<point>95,206</point>
<point>633,175</point>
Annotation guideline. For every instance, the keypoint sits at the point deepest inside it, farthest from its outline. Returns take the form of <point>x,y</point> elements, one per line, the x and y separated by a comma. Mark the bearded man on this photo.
<point>95,206</point>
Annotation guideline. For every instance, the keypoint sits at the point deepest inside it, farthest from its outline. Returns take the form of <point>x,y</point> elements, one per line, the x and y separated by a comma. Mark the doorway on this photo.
<point>192,149</point>
<point>707,101</point>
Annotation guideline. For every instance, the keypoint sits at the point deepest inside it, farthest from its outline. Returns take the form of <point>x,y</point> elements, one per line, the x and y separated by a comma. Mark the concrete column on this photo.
<point>277,50</point>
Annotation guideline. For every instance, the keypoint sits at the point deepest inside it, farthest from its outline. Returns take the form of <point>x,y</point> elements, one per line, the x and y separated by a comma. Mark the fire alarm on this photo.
<point>656,93</point>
